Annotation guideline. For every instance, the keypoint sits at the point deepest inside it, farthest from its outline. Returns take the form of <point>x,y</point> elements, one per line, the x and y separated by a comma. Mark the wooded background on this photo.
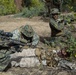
<point>15,6</point>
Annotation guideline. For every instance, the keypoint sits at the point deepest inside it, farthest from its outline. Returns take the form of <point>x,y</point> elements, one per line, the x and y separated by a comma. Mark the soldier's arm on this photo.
<point>17,35</point>
<point>35,40</point>
<point>57,25</point>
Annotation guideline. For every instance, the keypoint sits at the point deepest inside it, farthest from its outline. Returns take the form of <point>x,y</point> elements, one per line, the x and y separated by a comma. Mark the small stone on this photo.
<point>44,62</point>
<point>13,63</point>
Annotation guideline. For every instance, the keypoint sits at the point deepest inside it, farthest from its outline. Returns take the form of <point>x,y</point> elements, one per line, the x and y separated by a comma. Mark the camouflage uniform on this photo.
<point>4,56</point>
<point>5,51</point>
<point>55,26</point>
<point>49,4</point>
<point>4,59</point>
<point>26,34</point>
<point>58,29</point>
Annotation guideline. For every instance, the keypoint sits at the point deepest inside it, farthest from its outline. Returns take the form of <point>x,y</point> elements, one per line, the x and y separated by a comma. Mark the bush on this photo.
<point>38,4</point>
<point>35,3</point>
<point>71,46</point>
<point>32,3</point>
<point>7,7</point>
<point>70,5</point>
<point>34,10</point>
<point>26,12</point>
<point>74,8</point>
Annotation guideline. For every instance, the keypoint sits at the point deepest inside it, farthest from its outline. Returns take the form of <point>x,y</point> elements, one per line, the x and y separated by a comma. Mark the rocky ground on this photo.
<point>36,71</point>
<point>41,27</point>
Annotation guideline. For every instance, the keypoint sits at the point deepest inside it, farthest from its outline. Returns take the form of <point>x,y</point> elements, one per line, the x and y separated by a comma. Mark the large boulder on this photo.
<point>26,58</point>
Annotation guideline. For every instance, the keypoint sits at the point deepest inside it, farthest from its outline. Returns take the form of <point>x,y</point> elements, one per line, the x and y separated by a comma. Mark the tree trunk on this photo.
<point>18,4</point>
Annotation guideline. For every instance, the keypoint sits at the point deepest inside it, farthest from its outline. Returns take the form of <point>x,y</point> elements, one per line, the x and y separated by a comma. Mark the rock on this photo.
<point>26,58</point>
<point>25,52</point>
<point>67,64</point>
<point>63,73</point>
<point>14,63</point>
<point>29,62</point>
<point>44,62</point>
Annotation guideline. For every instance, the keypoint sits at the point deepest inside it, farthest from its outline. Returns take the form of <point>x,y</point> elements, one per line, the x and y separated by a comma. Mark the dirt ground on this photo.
<point>41,27</point>
<point>9,23</point>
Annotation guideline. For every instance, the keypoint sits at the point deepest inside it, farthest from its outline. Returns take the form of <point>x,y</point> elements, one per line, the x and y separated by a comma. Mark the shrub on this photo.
<point>7,7</point>
<point>70,5</point>
<point>26,12</point>
<point>34,10</point>
<point>35,3</point>
<point>38,4</point>
<point>74,7</point>
<point>71,46</point>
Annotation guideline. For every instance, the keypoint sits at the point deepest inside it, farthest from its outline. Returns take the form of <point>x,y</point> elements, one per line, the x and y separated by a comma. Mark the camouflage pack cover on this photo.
<point>55,11</point>
<point>27,31</point>
<point>4,56</point>
<point>4,59</point>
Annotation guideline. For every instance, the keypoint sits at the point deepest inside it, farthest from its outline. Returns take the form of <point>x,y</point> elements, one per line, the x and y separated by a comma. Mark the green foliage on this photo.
<point>75,15</point>
<point>35,9</point>
<point>35,3</point>
<point>74,6</point>
<point>70,5</point>
<point>38,4</point>
<point>71,46</point>
<point>7,7</point>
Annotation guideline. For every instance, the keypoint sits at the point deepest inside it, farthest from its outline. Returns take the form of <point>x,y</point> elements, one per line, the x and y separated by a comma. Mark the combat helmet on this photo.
<point>55,11</point>
<point>27,31</point>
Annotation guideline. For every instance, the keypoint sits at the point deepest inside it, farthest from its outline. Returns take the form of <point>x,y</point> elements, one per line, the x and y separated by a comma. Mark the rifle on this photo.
<point>11,41</point>
<point>6,41</point>
<point>7,47</point>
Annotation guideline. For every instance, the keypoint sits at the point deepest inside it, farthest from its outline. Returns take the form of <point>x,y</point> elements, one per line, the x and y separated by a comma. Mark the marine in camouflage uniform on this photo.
<point>26,34</point>
<point>49,4</point>
<point>57,27</point>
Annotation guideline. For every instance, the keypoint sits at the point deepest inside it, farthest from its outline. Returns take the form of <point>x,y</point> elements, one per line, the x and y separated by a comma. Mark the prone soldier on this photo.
<point>26,34</point>
<point>7,46</point>
<point>11,42</point>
